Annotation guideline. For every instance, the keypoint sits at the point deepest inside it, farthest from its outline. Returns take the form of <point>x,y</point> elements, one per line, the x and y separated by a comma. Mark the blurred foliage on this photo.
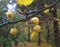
<point>6,38</point>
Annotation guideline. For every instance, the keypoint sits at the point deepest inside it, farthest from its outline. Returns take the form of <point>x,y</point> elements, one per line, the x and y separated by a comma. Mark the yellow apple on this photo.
<point>37,28</point>
<point>35,20</point>
<point>13,31</point>
<point>9,15</point>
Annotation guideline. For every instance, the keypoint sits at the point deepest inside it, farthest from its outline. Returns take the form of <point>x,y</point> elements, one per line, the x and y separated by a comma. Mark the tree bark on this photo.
<point>39,36</point>
<point>39,39</point>
<point>48,32</point>
<point>56,31</point>
<point>28,33</point>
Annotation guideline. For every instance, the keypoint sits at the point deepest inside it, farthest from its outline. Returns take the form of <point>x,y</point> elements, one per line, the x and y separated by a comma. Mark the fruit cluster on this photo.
<point>36,28</point>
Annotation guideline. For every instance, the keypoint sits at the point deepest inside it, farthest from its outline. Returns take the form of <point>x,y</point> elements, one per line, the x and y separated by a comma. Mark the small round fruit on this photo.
<point>9,15</point>
<point>37,28</point>
<point>13,31</point>
<point>35,20</point>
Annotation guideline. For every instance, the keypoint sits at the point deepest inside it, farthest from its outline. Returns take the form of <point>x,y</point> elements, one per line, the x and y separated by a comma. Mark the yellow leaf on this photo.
<point>24,2</point>
<point>46,11</point>
<point>32,34</point>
